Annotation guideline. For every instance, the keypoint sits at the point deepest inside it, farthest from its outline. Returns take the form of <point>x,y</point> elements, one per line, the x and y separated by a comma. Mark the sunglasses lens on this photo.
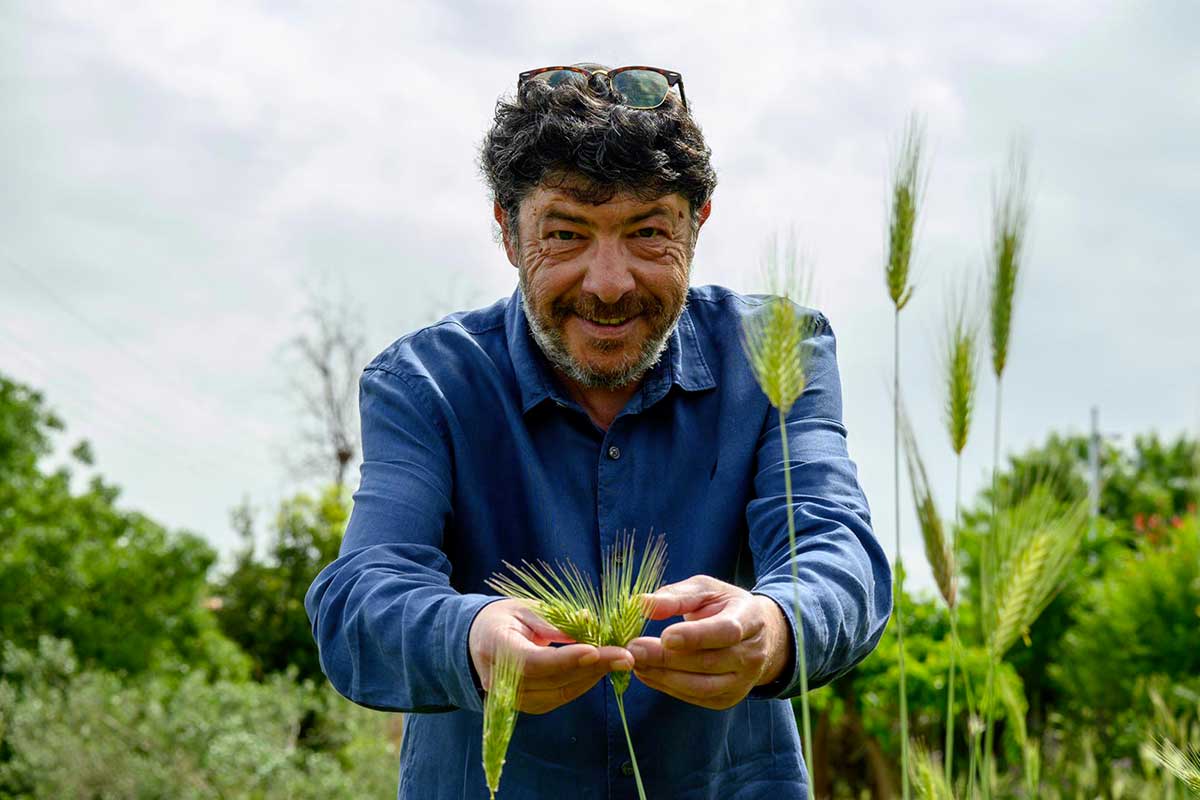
<point>641,88</point>
<point>557,76</point>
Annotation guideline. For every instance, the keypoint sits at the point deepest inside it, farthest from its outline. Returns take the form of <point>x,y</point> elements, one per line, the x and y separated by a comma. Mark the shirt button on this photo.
<point>614,452</point>
<point>627,769</point>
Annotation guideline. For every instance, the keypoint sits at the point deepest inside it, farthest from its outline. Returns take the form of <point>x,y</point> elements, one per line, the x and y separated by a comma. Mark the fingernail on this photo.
<point>620,663</point>
<point>637,651</point>
<point>588,659</point>
<point>672,640</point>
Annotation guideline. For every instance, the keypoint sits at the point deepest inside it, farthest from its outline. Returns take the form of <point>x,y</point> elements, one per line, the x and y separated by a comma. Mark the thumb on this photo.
<point>677,599</point>
<point>538,630</point>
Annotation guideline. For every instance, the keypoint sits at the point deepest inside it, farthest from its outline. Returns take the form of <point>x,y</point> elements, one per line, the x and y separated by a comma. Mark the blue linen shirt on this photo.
<point>473,453</point>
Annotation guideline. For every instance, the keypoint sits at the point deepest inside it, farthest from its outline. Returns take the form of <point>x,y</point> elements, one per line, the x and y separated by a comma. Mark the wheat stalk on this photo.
<point>500,713</point>
<point>1010,219</point>
<point>773,340</point>
<point>906,196</point>
<point>1031,548</point>
<point>961,373</point>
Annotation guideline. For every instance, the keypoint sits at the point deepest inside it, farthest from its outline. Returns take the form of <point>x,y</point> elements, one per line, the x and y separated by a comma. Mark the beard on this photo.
<point>547,325</point>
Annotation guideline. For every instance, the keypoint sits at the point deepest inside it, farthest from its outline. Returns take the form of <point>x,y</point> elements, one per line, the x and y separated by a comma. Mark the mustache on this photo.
<point>591,307</point>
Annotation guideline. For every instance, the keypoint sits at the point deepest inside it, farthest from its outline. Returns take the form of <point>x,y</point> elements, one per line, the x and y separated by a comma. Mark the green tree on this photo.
<point>262,599</point>
<point>121,588</point>
<point>1138,624</point>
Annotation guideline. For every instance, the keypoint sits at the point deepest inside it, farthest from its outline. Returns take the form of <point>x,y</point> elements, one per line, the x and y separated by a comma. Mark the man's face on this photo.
<point>603,285</point>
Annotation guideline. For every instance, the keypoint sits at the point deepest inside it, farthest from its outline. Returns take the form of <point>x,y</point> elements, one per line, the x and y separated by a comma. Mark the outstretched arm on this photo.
<point>392,632</point>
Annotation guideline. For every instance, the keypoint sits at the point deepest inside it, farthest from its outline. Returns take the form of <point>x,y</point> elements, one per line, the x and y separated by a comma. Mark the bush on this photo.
<point>1140,623</point>
<point>67,732</point>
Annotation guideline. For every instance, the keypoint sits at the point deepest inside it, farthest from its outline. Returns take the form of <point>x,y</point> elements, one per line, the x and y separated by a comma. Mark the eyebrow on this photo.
<point>565,217</point>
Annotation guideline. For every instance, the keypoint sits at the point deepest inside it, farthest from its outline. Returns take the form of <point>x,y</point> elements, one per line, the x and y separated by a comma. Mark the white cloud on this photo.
<point>176,171</point>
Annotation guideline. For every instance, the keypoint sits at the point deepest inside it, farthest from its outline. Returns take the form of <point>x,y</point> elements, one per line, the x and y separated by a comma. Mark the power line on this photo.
<point>131,425</point>
<point>185,393</point>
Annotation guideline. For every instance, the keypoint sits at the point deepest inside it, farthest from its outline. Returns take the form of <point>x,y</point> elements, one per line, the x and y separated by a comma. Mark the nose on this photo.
<point>608,276</point>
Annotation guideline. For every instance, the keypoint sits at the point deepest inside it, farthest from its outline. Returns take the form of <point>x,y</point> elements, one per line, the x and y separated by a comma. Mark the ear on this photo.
<point>705,210</point>
<point>505,231</point>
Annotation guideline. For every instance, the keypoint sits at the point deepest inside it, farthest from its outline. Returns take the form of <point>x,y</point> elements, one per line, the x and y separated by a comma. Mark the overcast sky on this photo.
<point>172,176</point>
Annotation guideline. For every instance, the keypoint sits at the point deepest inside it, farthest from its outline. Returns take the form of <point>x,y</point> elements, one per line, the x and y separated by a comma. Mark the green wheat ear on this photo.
<point>773,336</point>
<point>961,368</point>
<point>624,581</point>
<point>1031,549</point>
<point>1010,220</point>
<point>925,774</point>
<point>937,548</point>
<point>1184,766</point>
<point>500,713</point>
<point>908,190</point>
<point>564,597</point>
<point>773,339</point>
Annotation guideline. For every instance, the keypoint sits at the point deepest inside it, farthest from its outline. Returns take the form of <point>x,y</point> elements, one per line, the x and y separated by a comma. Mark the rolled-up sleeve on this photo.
<point>844,576</point>
<point>391,631</point>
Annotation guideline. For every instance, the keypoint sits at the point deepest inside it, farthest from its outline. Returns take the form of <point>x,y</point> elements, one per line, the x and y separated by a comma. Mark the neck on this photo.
<point>601,405</point>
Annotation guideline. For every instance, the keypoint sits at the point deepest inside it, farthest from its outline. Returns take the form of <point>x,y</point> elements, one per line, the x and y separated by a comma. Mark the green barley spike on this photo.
<point>500,713</point>
<point>614,615</point>
<point>906,196</point>
<point>773,339</point>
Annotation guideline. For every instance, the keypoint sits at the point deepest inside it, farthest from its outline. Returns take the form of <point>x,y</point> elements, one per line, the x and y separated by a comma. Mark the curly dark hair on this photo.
<point>579,138</point>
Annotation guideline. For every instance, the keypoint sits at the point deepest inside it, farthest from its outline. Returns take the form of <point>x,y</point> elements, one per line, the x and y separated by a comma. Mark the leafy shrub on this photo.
<point>1139,623</point>
<point>67,732</point>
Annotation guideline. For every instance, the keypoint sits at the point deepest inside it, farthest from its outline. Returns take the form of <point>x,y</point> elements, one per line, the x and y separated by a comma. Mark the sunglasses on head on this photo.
<point>639,87</point>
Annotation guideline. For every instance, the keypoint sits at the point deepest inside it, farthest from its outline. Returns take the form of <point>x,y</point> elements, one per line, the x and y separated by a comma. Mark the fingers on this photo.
<point>708,691</point>
<point>648,653</point>
<point>722,630</point>
<point>539,701</point>
<point>557,681</point>
<point>684,597</point>
<point>549,668</point>
<point>543,662</point>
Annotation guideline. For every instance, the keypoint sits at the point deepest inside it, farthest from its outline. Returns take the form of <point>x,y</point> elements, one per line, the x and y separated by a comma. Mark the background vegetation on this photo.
<point>130,669</point>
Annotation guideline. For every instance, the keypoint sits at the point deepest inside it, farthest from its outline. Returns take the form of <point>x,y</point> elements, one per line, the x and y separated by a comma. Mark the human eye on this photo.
<point>563,236</point>
<point>647,233</point>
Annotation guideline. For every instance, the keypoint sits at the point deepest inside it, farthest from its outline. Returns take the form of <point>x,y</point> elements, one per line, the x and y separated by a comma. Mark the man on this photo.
<point>603,396</point>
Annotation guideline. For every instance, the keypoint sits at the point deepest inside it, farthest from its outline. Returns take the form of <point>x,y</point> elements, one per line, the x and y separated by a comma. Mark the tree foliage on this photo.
<point>261,604</point>
<point>123,590</point>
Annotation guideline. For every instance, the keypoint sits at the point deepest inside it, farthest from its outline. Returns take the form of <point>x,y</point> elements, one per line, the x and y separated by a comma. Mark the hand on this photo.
<point>729,642</point>
<point>554,676</point>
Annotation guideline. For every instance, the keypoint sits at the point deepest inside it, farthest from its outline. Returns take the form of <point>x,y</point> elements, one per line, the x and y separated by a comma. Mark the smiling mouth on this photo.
<point>611,326</point>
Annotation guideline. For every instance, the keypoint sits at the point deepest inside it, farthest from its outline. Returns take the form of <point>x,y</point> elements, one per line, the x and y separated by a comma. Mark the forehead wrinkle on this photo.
<point>555,213</point>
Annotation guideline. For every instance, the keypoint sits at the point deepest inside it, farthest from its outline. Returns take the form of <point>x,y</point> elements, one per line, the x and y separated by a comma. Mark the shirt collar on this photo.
<point>682,364</point>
